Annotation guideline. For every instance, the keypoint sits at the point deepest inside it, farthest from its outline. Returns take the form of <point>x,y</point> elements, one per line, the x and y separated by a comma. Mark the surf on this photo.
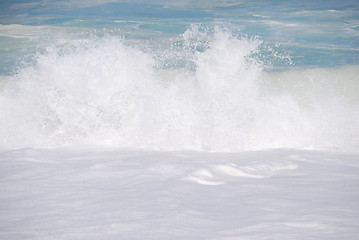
<point>209,89</point>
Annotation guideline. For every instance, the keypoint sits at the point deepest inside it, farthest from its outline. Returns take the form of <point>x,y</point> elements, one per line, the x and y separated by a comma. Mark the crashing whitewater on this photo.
<point>209,90</point>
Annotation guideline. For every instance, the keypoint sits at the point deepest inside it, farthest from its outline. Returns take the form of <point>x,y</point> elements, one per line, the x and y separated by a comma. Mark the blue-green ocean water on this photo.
<point>215,75</point>
<point>311,33</point>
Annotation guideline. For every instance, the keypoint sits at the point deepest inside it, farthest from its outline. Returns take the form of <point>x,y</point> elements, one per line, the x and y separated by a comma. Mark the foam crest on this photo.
<point>70,96</point>
<point>105,91</point>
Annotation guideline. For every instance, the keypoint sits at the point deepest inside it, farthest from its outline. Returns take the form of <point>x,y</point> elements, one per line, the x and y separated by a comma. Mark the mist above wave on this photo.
<point>206,91</point>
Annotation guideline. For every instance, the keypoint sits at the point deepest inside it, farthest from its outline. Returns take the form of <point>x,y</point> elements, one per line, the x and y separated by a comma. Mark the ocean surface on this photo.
<point>180,120</point>
<point>171,75</point>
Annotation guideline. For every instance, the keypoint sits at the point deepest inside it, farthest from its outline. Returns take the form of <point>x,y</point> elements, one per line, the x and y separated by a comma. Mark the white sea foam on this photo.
<point>109,193</point>
<point>207,92</point>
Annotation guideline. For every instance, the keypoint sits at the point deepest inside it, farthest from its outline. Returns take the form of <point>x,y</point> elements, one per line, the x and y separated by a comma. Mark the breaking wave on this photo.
<point>207,90</point>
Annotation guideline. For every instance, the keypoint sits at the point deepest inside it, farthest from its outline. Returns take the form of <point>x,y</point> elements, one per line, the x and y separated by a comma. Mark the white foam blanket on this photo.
<point>103,193</point>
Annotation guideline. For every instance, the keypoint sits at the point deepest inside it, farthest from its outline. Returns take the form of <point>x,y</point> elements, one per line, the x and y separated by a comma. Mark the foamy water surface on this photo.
<point>179,119</point>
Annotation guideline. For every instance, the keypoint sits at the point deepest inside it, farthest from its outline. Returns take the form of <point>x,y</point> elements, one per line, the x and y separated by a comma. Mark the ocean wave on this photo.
<point>215,97</point>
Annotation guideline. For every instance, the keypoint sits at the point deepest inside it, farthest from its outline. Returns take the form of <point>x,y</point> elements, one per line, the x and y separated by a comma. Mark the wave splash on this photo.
<point>208,91</point>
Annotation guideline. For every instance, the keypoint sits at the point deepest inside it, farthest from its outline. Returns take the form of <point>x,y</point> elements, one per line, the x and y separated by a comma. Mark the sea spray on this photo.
<point>207,91</point>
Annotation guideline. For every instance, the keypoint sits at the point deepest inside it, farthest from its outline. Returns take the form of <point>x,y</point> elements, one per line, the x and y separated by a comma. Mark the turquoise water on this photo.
<point>311,33</point>
<point>208,75</point>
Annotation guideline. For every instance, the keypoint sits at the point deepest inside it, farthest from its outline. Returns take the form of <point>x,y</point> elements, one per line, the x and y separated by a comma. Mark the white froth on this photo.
<point>106,92</point>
